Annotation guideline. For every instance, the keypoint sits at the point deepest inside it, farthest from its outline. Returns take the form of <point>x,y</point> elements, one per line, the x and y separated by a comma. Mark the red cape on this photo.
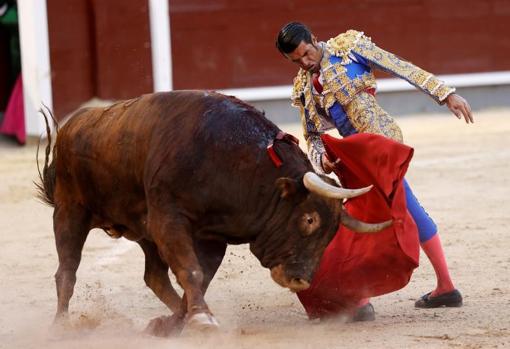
<point>356,266</point>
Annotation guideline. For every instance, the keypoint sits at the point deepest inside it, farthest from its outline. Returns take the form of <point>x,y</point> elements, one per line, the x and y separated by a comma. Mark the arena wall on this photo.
<point>103,49</point>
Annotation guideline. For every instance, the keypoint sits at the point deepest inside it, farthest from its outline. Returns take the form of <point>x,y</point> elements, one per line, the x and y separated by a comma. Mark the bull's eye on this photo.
<point>310,222</point>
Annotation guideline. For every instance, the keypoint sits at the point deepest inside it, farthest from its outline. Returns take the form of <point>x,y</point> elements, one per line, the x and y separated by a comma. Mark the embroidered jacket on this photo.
<point>346,100</point>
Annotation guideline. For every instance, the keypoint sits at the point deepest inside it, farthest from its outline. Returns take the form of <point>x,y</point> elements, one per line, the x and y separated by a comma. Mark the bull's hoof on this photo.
<point>60,328</point>
<point>165,326</point>
<point>61,319</point>
<point>203,322</point>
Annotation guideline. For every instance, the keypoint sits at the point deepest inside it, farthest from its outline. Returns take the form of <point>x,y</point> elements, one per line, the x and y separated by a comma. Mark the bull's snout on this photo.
<point>294,284</point>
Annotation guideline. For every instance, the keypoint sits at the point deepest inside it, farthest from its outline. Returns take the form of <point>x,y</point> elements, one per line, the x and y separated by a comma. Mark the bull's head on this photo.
<point>316,209</point>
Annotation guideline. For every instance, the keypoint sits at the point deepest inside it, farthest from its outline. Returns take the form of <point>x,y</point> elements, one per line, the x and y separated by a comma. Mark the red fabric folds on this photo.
<point>356,266</point>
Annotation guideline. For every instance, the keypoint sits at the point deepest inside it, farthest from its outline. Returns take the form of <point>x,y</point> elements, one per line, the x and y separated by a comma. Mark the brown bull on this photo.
<point>184,174</point>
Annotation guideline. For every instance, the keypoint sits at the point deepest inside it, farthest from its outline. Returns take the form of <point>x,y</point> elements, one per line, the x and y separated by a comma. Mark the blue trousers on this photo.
<point>426,226</point>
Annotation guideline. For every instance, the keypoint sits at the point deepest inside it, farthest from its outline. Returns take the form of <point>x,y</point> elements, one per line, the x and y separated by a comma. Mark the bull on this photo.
<point>183,174</point>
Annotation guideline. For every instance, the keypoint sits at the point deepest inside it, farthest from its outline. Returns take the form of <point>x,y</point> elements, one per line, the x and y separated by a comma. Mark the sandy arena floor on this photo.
<point>460,173</point>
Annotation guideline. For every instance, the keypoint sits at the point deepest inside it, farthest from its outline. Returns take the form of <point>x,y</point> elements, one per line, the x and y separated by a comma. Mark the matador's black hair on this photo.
<point>291,35</point>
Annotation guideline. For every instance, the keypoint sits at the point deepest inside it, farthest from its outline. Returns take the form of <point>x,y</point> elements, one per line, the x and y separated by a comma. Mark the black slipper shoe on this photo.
<point>364,313</point>
<point>450,299</point>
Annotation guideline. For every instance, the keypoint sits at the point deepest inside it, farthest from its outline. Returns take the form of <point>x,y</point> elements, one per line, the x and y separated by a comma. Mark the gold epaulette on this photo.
<point>341,45</point>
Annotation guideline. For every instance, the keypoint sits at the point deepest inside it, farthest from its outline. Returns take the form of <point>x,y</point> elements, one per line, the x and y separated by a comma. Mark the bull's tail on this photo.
<point>47,178</point>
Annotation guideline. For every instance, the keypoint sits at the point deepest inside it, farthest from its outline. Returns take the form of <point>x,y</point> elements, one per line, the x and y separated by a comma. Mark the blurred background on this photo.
<point>65,53</point>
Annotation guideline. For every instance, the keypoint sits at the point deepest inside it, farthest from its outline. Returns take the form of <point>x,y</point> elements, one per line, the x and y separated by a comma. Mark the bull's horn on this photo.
<point>315,184</point>
<point>362,227</point>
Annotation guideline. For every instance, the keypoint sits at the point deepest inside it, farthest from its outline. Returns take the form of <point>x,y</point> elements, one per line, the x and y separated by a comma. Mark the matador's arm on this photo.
<point>313,141</point>
<point>390,63</point>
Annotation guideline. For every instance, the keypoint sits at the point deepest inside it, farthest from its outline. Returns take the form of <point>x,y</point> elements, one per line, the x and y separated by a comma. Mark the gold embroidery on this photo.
<point>303,121</point>
<point>338,86</point>
<point>442,92</point>
<point>361,108</point>
<point>342,45</point>
<point>431,85</point>
<point>367,116</point>
<point>315,151</point>
<point>391,63</point>
<point>303,98</point>
<point>310,106</point>
<point>343,89</point>
<point>299,83</point>
<point>421,77</point>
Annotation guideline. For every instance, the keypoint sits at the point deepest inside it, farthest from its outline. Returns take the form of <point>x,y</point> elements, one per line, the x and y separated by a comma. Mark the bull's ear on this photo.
<point>288,187</point>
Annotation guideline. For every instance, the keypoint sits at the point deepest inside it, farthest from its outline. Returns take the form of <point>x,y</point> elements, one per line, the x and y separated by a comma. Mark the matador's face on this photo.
<point>307,55</point>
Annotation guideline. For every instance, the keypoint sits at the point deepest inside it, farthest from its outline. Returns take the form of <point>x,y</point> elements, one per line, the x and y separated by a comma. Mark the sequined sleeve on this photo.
<point>313,141</point>
<point>310,128</point>
<point>390,63</point>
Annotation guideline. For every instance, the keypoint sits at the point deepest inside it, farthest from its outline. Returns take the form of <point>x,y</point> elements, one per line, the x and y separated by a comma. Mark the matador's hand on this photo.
<point>460,107</point>
<point>327,165</point>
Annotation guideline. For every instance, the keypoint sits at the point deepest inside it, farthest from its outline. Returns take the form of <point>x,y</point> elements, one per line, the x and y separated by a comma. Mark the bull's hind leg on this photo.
<point>71,225</point>
<point>156,276</point>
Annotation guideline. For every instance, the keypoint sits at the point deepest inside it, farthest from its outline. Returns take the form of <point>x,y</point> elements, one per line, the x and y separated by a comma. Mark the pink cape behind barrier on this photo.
<point>13,123</point>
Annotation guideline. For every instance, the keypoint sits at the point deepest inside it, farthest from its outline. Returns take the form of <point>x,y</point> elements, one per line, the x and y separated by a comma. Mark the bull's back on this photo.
<point>100,143</point>
<point>214,159</point>
<point>102,152</point>
<point>109,155</point>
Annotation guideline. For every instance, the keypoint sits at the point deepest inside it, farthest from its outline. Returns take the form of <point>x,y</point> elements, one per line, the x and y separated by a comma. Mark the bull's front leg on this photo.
<point>172,234</point>
<point>156,276</point>
<point>210,255</point>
